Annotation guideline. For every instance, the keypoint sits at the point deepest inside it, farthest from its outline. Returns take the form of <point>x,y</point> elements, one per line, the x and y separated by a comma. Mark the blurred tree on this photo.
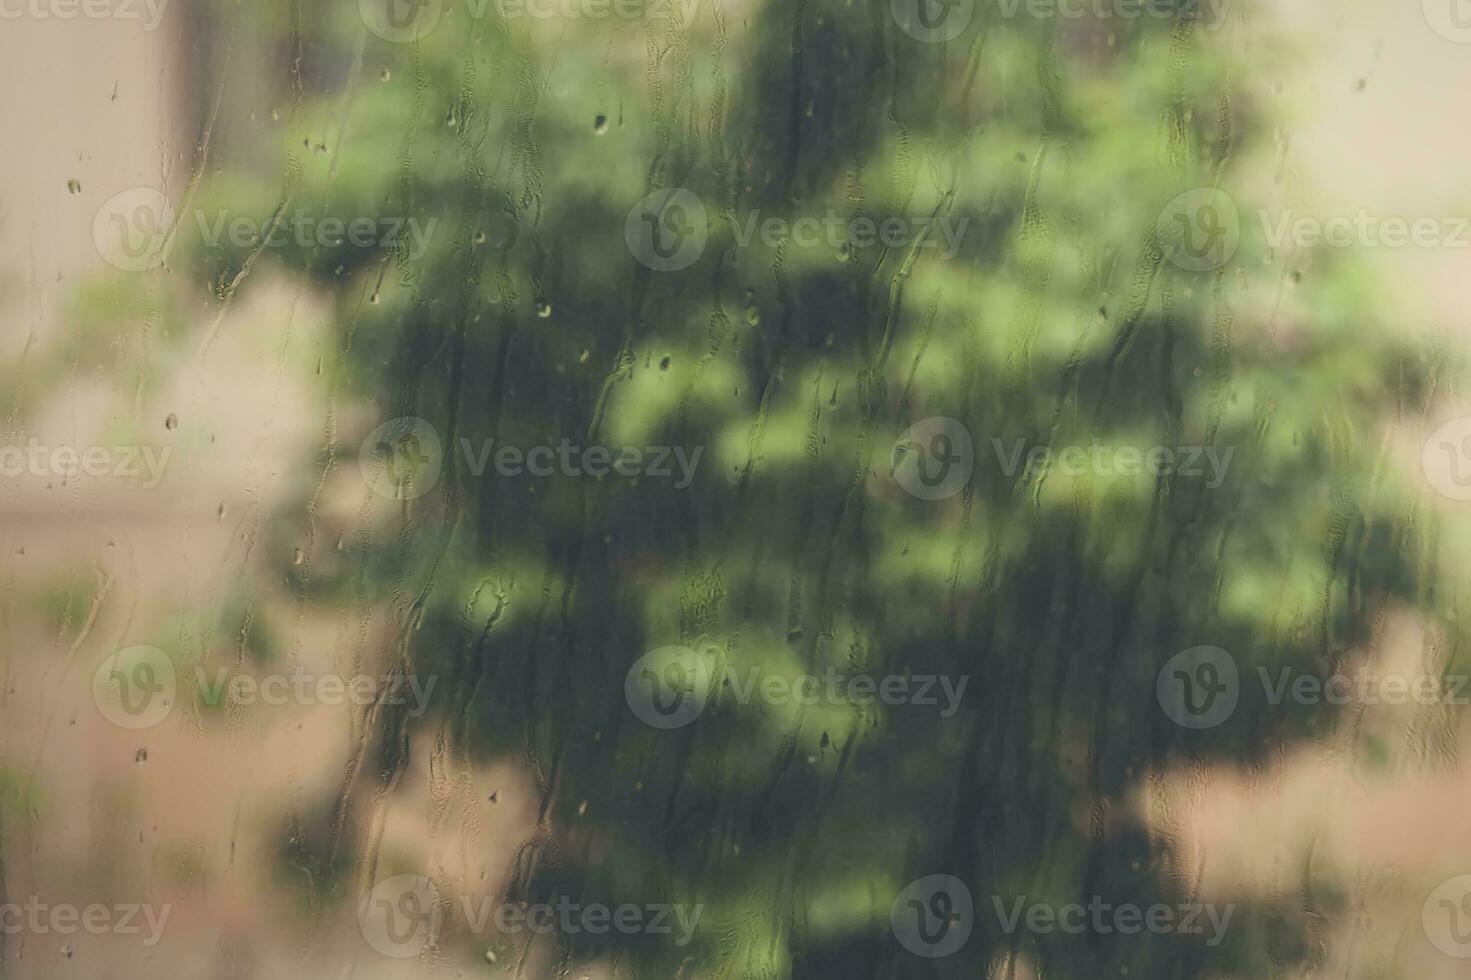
<point>1038,292</point>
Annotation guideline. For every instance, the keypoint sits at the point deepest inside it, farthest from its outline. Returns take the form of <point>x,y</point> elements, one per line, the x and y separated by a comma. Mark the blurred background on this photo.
<point>311,669</point>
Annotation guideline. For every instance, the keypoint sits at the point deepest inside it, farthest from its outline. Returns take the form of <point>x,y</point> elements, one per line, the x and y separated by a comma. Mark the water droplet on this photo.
<point>543,308</point>
<point>66,951</point>
<point>74,186</point>
<point>141,757</point>
<point>582,808</point>
<point>385,74</point>
<point>480,238</point>
<point>297,556</point>
<point>600,124</point>
<point>664,363</point>
<point>172,422</point>
<point>490,956</point>
<point>451,119</point>
<point>373,299</point>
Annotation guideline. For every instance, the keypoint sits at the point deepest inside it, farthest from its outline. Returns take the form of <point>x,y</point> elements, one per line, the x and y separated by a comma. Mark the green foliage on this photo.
<point>1059,321</point>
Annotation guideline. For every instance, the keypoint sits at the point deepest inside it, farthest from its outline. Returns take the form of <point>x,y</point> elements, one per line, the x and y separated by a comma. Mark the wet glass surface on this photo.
<point>734,489</point>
